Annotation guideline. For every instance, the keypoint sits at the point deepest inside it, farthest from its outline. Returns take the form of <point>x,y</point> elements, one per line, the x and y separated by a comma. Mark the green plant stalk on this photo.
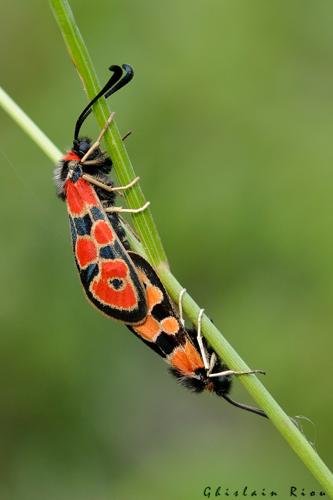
<point>29,127</point>
<point>143,222</point>
<point>287,429</point>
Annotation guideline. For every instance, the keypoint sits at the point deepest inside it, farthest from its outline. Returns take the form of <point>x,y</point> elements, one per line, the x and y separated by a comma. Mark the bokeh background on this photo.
<point>232,112</point>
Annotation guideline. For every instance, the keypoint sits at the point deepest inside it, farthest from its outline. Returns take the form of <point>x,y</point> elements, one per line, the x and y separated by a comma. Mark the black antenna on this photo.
<point>117,81</point>
<point>257,411</point>
<point>129,73</point>
<point>117,73</point>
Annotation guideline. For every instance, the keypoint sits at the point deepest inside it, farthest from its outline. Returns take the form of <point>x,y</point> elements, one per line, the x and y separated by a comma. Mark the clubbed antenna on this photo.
<point>129,73</point>
<point>116,82</point>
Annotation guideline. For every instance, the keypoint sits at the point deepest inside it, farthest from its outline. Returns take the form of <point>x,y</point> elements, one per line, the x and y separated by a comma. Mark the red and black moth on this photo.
<point>191,360</point>
<point>121,283</point>
<point>108,275</point>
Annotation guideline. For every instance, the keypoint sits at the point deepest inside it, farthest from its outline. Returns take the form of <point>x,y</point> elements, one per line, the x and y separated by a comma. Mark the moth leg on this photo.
<point>99,161</point>
<point>226,373</point>
<point>212,362</point>
<point>98,140</point>
<point>209,365</point>
<point>180,306</point>
<point>102,185</point>
<point>200,342</point>
<point>124,137</point>
<point>128,210</point>
<point>127,186</point>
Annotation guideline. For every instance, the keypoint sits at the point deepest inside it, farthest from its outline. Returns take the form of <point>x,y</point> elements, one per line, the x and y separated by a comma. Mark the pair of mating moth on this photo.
<point>119,282</point>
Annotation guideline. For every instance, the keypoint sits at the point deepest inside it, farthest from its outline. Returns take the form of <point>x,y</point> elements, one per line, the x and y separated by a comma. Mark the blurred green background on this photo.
<point>232,112</point>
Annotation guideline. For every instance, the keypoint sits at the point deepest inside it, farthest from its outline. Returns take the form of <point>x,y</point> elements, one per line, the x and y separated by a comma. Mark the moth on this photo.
<point>120,283</point>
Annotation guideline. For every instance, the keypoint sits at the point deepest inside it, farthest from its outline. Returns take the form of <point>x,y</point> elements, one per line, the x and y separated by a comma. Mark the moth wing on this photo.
<point>107,273</point>
<point>162,330</point>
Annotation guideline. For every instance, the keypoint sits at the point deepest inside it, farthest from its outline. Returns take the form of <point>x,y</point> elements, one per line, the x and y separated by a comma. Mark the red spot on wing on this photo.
<point>79,195</point>
<point>170,325</point>
<point>71,156</point>
<point>154,296</point>
<point>149,330</point>
<point>86,251</point>
<point>124,298</point>
<point>103,233</point>
<point>193,356</point>
<point>151,327</point>
<point>74,201</point>
<point>186,359</point>
<point>87,192</point>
